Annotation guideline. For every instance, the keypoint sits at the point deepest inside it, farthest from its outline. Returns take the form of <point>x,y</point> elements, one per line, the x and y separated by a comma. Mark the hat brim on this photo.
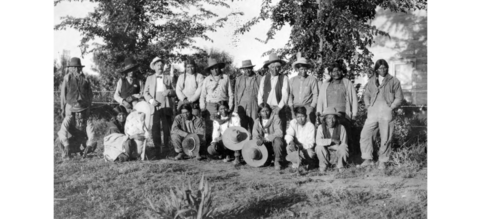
<point>249,66</point>
<point>232,145</point>
<point>153,62</point>
<point>301,63</point>
<point>76,66</point>
<point>277,60</point>
<point>129,68</point>
<point>221,65</point>
<point>254,163</point>
<point>195,151</point>
<point>325,114</point>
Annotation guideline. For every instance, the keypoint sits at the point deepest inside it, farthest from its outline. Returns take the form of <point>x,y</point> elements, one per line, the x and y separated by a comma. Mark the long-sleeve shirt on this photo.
<point>273,130</point>
<point>304,135</point>
<point>303,91</point>
<point>390,88</point>
<point>321,141</point>
<point>271,99</point>
<point>220,129</point>
<point>68,131</point>
<point>180,126</point>
<point>214,91</point>
<point>118,89</point>
<point>190,90</point>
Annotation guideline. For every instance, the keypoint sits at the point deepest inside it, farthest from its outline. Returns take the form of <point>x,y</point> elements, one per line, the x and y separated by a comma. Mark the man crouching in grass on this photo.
<point>184,124</point>
<point>331,136</point>
<point>300,138</point>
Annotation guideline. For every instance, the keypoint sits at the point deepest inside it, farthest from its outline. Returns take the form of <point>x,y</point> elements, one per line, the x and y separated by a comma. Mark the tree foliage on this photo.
<point>329,30</point>
<point>142,29</point>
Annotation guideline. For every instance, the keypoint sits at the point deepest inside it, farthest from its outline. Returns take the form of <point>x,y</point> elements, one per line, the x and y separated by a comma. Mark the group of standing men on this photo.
<point>279,115</point>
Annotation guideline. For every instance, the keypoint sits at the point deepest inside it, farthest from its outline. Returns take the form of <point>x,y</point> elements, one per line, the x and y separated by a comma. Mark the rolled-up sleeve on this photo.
<point>90,133</point>
<point>285,93</point>
<point>261,91</point>
<point>291,132</point>
<point>178,88</point>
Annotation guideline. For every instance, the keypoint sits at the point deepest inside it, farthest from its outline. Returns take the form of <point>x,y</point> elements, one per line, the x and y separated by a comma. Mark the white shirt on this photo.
<point>220,129</point>
<point>264,123</point>
<point>271,99</point>
<point>305,135</point>
<point>160,87</point>
<point>381,78</point>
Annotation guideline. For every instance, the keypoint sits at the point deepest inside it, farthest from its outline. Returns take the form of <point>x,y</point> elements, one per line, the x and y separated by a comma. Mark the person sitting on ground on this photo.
<point>222,121</point>
<point>184,124</point>
<point>300,138</point>
<point>117,123</point>
<point>267,131</point>
<point>331,135</point>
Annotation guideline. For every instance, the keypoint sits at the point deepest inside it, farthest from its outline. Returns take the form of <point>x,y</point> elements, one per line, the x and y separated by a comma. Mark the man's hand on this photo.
<point>127,104</point>
<point>311,152</point>
<point>214,145</point>
<point>292,146</point>
<point>260,141</point>
<point>155,102</point>
<point>336,142</point>
<point>139,137</point>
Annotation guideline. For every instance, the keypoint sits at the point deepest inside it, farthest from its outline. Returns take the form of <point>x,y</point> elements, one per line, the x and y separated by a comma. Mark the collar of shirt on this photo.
<point>381,79</point>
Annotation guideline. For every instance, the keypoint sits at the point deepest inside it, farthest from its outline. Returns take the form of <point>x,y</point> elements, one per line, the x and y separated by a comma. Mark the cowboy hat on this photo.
<point>129,64</point>
<point>247,64</point>
<point>235,137</point>
<point>274,58</point>
<point>301,61</point>
<point>213,63</point>
<point>331,111</point>
<point>75,62</point>
<point>191,145</point>
<point>78,107</point>
<point>156,59</point>
<point>254,155</point>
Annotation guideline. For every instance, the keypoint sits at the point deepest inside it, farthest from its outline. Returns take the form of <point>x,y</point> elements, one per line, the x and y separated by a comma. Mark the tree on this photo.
<point>329,30</point>
<point>142,29</point>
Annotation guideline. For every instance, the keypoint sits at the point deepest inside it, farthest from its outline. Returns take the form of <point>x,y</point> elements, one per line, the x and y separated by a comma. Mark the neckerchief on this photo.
<point>218,117</point>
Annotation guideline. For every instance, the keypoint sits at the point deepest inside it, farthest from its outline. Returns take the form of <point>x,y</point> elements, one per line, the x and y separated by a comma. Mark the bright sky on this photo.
<point>242,47</point>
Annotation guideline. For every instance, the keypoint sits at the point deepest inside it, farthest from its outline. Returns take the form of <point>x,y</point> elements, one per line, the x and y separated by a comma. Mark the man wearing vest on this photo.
<point>189,86</point>
<point>246,88</point>
<point>159,92</point>
<point>75,88</point>
<point>382,96</point>
<point>216,88</point>
<point>129,88</point>
<point>274,88</point>
<point>303,89</point>
<point>339,93</point>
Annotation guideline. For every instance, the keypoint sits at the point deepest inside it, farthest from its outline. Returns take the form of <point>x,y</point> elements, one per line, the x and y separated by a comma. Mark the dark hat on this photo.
<point>190,61</point>
<point>247,64</point>
<point>79,107</point>
<point>274,58</point>
<point>235,137</point>
<point>191,145</point>
<point>75,62</point>
<point>254,155</point>
<point>129,64</point>
<point>213,63</point>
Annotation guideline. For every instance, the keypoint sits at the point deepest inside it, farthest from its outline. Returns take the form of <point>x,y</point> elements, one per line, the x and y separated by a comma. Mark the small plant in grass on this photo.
<point>184,202</point>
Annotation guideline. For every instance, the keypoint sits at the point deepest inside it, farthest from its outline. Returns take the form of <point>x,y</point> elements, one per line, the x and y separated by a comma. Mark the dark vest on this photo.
<point>128,89</point>
<point>336,134</point>
<point>268,88</point>
<point>77,89</point>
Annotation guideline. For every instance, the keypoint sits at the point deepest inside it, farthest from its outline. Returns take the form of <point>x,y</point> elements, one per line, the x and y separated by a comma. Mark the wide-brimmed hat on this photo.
<point>301,61</point>
<point>213,63</point>
<point>274,58</point>
<point>331,111</point>
<point>254,155</point>
<point>247,64</point>
<point>235,137</point>
<point>156,59</point>
<point>129,64</point>
<point>78,107</point>
<point>191,145</point>
<point>75,62</point>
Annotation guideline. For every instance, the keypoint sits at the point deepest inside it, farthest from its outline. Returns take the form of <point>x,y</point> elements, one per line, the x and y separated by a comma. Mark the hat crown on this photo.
<point>273,57</point>
<point>246,63</point>
<point>74,61</point>
<point>211,61</point>
<point>189,144</point>
<point>255,154</point>
<point>330,111</point>
<point>129,61</point>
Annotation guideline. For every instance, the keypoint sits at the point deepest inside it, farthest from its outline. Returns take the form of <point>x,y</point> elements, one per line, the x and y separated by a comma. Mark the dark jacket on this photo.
<point>179,128</point>
<point>391,88</point>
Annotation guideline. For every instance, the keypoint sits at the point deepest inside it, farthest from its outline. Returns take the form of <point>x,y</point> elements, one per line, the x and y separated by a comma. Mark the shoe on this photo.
<point>382,165</point>
<point>227,159</point>
<point>340,169</point>
<point>199,157</point>
<point>236,161</point>
<point>322,169</point>
<point>366,163</point>
<point>277,165</point>
<point>179,156</point>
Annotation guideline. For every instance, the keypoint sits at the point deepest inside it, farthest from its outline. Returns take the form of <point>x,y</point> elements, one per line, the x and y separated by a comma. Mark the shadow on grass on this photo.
<point>265,207</point>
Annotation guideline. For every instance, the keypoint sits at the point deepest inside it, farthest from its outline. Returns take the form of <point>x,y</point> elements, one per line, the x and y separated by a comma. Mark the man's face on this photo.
<point>75,70</point>
<point>121,117</point>
<point>382,70</point>
<point>158,66</point>
<point>303,71</point>
<point>265,113</point>
<point>275,68</point>
<point>247,71</point>
<point>336,74</point>
<point>130,75</point>
<point>215,71</point>
<point>301,119</point>
<point>331,121</point>
<point>189,68</point>
<point>223,110</point>
<point>187,114</point>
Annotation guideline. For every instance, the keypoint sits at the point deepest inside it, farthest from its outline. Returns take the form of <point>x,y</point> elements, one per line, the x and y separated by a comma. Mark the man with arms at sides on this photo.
<point>300,138</point>
<point>75,88</point>
<point>189,85</point>
<point>303,89</point>
<point>129,87</point>
<point>185,123</point>
<point>246,88</point>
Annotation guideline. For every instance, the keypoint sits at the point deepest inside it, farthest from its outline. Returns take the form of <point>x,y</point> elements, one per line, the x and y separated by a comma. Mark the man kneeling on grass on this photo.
<point>331,136</point>
<point>300,138</point>
<point>185,124</point>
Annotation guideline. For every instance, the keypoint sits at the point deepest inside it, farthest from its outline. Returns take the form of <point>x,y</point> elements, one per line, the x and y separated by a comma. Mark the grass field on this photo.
<point>93,188</point>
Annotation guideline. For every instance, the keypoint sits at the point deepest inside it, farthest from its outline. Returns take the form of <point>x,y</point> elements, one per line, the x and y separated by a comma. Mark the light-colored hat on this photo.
<point>274,58</point>
<point>156,59</point>
<point>235,137</point>
<point>301,61</point>
<point>247,64</point>
<point>212,63</point>
<point>331,111</point>
<point>191,145</point>
<point>254,155</point>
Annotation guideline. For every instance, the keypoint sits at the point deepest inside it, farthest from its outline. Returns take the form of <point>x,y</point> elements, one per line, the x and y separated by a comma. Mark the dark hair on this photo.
<point>379,63</point>
<point>192,62</point>
<point>300,110</point>
<point>222,103</point>
<point>264,105</point>
<point>337,65</point>
<point>186,106</point>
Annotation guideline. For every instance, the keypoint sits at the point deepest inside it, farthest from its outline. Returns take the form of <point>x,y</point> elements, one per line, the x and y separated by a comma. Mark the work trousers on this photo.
<point>276,147</point>
<point>304,156</point>
<point>379,118</point>
<point>324,155</point>
<point>220,149</point>
<point>210,112</point>
<point>162,120</point>
<point>76,145</point>
<point>283,116</point>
